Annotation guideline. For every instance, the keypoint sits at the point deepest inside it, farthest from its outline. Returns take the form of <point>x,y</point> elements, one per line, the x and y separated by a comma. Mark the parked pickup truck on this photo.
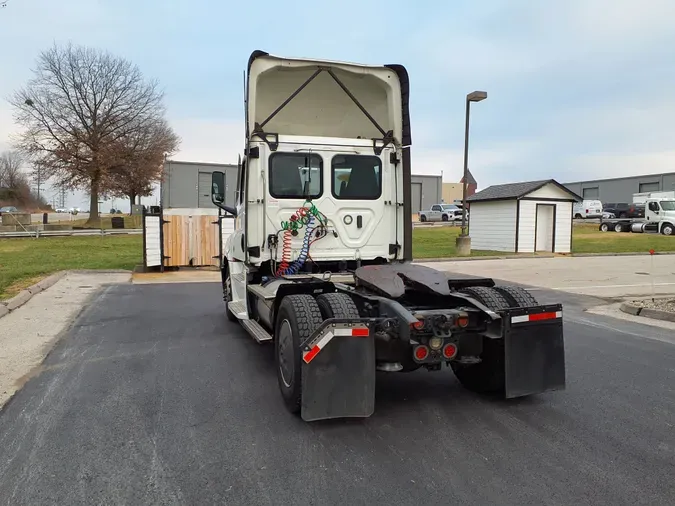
<point>442,212</point>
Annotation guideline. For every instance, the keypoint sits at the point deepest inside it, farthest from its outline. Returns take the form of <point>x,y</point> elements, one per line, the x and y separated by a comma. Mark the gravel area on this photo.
<point>660,304</point>
<point>29,332</point>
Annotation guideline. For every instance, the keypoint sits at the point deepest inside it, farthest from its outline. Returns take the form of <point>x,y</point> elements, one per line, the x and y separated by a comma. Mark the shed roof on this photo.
<point>514,191</point>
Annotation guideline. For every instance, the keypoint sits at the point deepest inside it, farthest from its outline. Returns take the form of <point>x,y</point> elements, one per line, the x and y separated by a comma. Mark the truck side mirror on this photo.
<point>218,192</point>
<point>217,187</point>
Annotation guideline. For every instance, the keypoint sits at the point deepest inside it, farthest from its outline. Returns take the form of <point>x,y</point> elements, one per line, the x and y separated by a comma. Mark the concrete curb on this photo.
<point>7,306</point>
<point>654,314</point>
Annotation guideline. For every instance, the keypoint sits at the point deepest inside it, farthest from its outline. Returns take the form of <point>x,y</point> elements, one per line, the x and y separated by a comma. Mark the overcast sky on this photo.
<point>578,89</point>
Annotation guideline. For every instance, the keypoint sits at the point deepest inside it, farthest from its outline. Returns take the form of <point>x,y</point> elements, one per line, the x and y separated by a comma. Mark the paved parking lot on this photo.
<point>153,397</point>
<point>600,276</point>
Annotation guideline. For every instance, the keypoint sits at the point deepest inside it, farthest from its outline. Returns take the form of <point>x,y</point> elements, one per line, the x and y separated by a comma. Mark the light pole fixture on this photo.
<point>474,96</point>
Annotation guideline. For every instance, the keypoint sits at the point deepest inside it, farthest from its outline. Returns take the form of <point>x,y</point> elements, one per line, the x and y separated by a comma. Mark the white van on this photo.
<point>587,209</point>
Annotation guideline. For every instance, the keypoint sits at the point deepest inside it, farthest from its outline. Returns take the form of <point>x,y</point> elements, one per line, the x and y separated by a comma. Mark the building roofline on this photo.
<point>660,174</point>
<point>210,164</point>
<point>543,183</point>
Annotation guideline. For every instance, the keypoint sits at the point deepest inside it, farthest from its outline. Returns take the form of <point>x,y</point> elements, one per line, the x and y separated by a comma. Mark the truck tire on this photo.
<point>517,297</point>
<point>423,218</point>
<point>227,294</point>
<point>667,229</point>
<point>486,377</point>
<point>604,227</point>
<point>337,305</point>
<point>444,217</point>
<point>298,318</point>
<point>618,227</point>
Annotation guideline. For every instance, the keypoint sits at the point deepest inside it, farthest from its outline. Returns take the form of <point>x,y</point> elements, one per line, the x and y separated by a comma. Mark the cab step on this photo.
<point>238,308</point>
<point>256,330</point>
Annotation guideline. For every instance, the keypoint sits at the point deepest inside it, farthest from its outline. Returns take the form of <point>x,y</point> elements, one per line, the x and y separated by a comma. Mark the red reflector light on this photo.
<point>543,316</point>
<point>463,321</point>
<point>449,350</point>
<point>421,352</point>
<point>360,332</point>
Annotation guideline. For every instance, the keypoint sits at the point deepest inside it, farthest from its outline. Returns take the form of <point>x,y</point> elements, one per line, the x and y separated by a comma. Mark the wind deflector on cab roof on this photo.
<point>271,138</point>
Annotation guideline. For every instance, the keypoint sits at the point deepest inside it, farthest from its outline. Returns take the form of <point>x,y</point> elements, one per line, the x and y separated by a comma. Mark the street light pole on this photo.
<point>463,241</point>
<point>465,181</point>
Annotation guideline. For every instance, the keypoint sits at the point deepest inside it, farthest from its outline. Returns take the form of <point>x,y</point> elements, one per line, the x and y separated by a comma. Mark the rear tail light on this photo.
<point>418,325</point>
<point>462,321</point>
<point>421,352</point>
<point>449,350</point>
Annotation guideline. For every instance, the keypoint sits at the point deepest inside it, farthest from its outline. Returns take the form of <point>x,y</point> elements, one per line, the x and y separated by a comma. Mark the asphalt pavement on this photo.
<point>153,397</point>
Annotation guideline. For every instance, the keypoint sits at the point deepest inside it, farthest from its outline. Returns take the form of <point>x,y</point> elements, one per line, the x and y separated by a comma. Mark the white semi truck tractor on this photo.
<point>320,261</point>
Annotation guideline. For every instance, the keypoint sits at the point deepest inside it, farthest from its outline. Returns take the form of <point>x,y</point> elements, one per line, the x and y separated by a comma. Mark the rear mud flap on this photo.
<point>338,371</point>
<point>534,350</point>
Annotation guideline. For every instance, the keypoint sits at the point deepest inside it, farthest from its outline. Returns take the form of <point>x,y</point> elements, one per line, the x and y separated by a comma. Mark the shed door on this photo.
<point>545,227</point>
<point>416,196</point>
<point>204,189</point>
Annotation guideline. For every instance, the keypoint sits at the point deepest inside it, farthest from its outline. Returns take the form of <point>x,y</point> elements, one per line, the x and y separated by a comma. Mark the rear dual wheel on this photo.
<point>488,376</point>
<point>298,318</point>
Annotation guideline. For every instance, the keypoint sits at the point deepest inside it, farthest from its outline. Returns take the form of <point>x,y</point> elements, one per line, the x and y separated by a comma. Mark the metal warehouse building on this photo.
<point>187,185</point>
<point>621,189</point>
<point>425,192</point>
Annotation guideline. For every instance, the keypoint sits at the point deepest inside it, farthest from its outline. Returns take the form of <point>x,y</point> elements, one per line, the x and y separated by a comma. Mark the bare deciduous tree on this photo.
<point>79,108</point>
<point>142,154</point>
<point>11,175</point>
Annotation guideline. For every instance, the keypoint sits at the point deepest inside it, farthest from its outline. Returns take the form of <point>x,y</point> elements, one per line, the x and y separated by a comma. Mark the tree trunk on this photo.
<point>94,218</point>
<point>132,201</point>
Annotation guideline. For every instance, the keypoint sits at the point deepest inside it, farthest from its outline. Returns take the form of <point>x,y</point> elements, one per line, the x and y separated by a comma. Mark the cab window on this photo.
<point>356,177</point>
<point>295,175</point>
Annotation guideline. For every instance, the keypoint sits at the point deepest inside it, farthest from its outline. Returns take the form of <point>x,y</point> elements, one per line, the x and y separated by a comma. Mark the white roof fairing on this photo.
<point>322,108</point>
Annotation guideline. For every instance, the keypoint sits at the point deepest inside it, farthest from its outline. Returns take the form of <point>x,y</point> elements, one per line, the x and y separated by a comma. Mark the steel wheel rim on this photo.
<point>228,288</point>
<point>286,353</point>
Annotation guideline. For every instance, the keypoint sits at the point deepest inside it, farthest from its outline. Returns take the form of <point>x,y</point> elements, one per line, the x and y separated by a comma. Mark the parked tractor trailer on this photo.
<point>320,261</point>
<point>659,219</point>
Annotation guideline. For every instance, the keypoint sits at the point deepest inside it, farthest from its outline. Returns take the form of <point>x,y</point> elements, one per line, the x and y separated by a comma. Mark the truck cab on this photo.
<point>662,212</point>
<point>323,166</point>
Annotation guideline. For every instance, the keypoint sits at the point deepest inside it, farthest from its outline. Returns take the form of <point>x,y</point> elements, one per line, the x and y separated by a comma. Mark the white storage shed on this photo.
<point>534,216</point>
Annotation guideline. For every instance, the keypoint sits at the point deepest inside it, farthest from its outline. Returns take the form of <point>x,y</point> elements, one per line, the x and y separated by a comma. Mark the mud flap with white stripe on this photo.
<point>534,350</point>
<point>338,371</point>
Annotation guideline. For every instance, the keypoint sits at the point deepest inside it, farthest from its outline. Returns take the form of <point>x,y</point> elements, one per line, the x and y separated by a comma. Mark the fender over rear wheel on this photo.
<point>488,376</point>
<point>298,318</point>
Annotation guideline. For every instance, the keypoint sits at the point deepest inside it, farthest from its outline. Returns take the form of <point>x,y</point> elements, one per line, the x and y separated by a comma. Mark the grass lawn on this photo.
<point>587,238</point>
<point>24,261</point>
<point>439,242</point>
